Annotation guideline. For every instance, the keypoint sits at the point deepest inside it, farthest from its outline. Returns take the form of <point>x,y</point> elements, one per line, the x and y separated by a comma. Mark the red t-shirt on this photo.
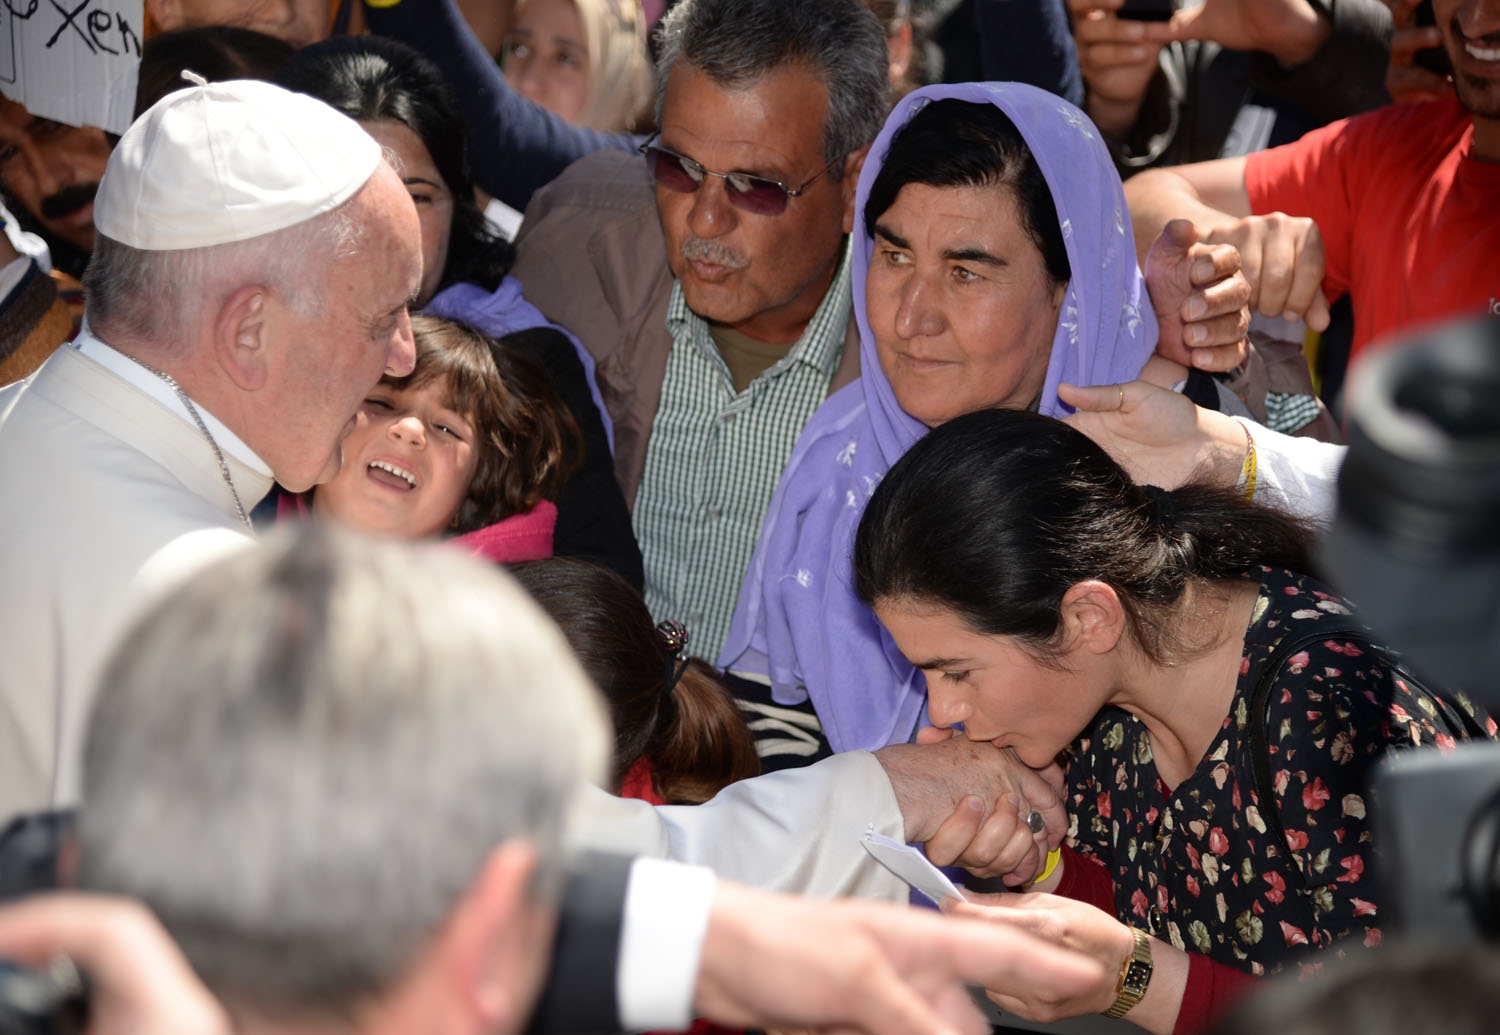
<point>1410,218</point>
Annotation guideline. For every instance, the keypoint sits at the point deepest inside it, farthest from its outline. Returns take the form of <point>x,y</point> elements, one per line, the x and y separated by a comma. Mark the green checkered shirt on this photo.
<point>715,458</point>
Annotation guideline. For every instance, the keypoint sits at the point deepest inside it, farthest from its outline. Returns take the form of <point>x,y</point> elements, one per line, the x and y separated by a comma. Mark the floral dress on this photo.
<point>1197,865</point>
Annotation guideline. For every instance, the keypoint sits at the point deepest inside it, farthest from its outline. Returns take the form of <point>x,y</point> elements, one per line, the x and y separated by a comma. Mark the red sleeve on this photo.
<point>1211,989</point>
<point>1085,879</point>
<point>1311,177</point>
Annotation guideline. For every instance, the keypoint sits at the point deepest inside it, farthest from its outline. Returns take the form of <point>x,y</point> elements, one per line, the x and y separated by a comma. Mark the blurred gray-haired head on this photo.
<point>302,758</point>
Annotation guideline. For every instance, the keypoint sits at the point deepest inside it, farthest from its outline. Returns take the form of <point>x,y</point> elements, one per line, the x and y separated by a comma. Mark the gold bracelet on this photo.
<point>1248,472</point>
<point>1053,857</point>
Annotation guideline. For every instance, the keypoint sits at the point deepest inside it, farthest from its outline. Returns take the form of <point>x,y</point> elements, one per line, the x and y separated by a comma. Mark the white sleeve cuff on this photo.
<point>666,919</point>
<point>1299,475</point>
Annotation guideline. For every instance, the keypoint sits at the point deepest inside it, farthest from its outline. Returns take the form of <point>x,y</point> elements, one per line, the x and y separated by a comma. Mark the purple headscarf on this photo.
<point>504,311</point>
<point>798,620</point>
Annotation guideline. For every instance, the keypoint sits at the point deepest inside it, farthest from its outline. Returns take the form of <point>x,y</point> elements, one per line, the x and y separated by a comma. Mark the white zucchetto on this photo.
<point>223,162</point>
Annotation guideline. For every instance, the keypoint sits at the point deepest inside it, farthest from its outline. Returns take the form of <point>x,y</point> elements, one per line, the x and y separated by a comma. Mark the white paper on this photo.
<point>911,866</point>
<point>72,61</point>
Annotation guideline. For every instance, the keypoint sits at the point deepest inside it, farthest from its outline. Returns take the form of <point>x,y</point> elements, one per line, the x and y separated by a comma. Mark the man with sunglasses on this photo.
<point>719,306</point>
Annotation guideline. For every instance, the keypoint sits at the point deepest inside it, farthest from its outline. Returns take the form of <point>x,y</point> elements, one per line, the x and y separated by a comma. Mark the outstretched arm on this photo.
<point>1282,256</point>
<point>516,146</point>
<point>1161,438</point>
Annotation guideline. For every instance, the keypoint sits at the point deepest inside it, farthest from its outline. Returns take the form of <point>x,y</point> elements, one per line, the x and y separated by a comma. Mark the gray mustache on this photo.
<point>705,249</point>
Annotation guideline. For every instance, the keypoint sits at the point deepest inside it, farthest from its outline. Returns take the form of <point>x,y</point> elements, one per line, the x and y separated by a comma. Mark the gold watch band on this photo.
<point>1135,976</point>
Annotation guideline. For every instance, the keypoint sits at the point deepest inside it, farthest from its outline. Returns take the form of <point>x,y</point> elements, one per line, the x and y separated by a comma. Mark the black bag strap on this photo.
<point>1260,708</point>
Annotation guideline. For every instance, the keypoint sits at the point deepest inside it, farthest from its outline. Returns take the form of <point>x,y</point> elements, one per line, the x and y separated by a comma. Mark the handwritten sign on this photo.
<point>72,61</point>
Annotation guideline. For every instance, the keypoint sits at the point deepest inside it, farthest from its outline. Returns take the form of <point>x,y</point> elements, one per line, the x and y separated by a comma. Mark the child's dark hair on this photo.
<point>527,441</point>
<point>995,514</point>
<point>694,735</point>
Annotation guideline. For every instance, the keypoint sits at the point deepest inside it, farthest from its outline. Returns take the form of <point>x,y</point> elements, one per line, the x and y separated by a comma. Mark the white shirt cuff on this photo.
<point>666,919</point>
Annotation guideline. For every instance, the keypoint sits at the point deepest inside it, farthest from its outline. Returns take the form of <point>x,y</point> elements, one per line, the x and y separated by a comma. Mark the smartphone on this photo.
<point>1434,59</point>
<point>1149,10</point>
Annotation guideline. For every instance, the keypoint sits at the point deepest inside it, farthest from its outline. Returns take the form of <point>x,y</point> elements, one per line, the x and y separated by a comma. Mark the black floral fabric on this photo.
<point>1196,865</point>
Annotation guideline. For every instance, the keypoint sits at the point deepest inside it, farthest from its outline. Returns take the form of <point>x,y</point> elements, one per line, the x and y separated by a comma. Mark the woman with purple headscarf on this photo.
<point>993,260</point>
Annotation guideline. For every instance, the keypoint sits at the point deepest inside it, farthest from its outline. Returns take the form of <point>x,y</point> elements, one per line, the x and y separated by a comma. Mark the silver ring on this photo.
<point>1035,821</point>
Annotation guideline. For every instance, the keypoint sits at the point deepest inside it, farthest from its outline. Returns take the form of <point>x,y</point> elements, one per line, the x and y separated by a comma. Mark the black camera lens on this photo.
<point>1417,539</point>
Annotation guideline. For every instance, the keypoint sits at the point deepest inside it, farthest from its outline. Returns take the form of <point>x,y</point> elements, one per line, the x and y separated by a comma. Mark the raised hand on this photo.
<point>1117,62</point>
<point>1201,298</point>
<point>1282,258</point>
<point>1405,80</point>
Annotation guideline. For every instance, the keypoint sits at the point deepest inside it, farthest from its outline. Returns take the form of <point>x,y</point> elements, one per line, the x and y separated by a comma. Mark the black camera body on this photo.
<point>1417,544</point>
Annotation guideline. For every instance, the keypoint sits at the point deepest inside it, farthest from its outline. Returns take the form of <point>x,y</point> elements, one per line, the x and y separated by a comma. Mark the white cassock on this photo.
<point>110,494</point>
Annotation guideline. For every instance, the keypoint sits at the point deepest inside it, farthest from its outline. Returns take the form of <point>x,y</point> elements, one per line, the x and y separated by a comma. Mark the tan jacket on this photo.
<point>591,256</point>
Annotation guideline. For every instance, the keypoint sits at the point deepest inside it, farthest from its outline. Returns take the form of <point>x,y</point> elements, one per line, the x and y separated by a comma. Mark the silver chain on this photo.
<point>239,507</point>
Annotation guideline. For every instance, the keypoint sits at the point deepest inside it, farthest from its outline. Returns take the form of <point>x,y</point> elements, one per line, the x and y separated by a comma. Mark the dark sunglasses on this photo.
<point>752,193</point>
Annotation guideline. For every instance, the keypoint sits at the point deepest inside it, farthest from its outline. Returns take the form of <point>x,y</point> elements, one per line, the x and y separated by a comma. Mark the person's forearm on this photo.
<point>1211,988</point>
<point>1299,475</point>
<point>796,831</point>
<point>1155,197</point>
<point>1301,37</point>
<point>1028,41</point>
<point>1346,74</point>
<point>517,146</point>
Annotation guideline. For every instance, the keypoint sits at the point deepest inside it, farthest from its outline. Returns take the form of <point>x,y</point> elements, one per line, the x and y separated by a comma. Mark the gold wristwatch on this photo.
<point>1135,975</point>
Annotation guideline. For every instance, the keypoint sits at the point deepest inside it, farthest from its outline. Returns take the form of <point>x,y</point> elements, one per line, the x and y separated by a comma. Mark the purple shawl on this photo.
<point>504,311</point>
<point>797,620</point>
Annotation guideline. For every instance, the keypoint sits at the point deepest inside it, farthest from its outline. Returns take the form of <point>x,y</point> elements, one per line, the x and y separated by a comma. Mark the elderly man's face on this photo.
<point>52,171</point>
<point>762,275</point>
<point>325,362</point>
<point>298,22</point>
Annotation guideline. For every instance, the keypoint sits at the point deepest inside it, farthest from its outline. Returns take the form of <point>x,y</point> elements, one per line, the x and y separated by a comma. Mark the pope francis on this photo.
<point>225,345</point>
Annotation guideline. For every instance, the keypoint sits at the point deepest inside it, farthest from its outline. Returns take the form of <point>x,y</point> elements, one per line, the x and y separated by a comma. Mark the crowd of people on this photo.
<point>504,499</point>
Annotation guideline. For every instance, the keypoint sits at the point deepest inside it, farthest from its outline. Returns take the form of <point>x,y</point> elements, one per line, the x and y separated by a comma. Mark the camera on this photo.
<point>53,1001</point>
<point>1415,544</point>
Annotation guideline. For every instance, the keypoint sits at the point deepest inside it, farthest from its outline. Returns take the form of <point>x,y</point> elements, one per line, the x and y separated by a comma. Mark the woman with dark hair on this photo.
<point>403,101</point>
<point>1221,712</point>
<point>993,261</point>
<point>679,737</point>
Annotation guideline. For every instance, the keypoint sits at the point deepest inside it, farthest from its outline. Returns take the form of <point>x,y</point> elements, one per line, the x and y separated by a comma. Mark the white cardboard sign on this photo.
<point>72,61</point>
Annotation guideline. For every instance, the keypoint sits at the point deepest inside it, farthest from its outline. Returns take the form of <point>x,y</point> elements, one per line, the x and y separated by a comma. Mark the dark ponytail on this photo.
<point>996,514</point>
<point>677,714</point>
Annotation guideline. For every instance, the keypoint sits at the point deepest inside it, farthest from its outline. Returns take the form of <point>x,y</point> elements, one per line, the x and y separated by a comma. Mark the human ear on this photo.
<point>850,184</point>
<point>1093,617</point>
<point>241,338</point>
<point>502,938</point>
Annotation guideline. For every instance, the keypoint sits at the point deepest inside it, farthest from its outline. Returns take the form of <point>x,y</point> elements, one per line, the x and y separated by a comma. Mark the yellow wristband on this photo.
<point>1052,859</point>
<point>1248,473</point>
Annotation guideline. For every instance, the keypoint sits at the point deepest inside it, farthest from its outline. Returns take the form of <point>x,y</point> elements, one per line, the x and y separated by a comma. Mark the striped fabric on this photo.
<point>714,460</point>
